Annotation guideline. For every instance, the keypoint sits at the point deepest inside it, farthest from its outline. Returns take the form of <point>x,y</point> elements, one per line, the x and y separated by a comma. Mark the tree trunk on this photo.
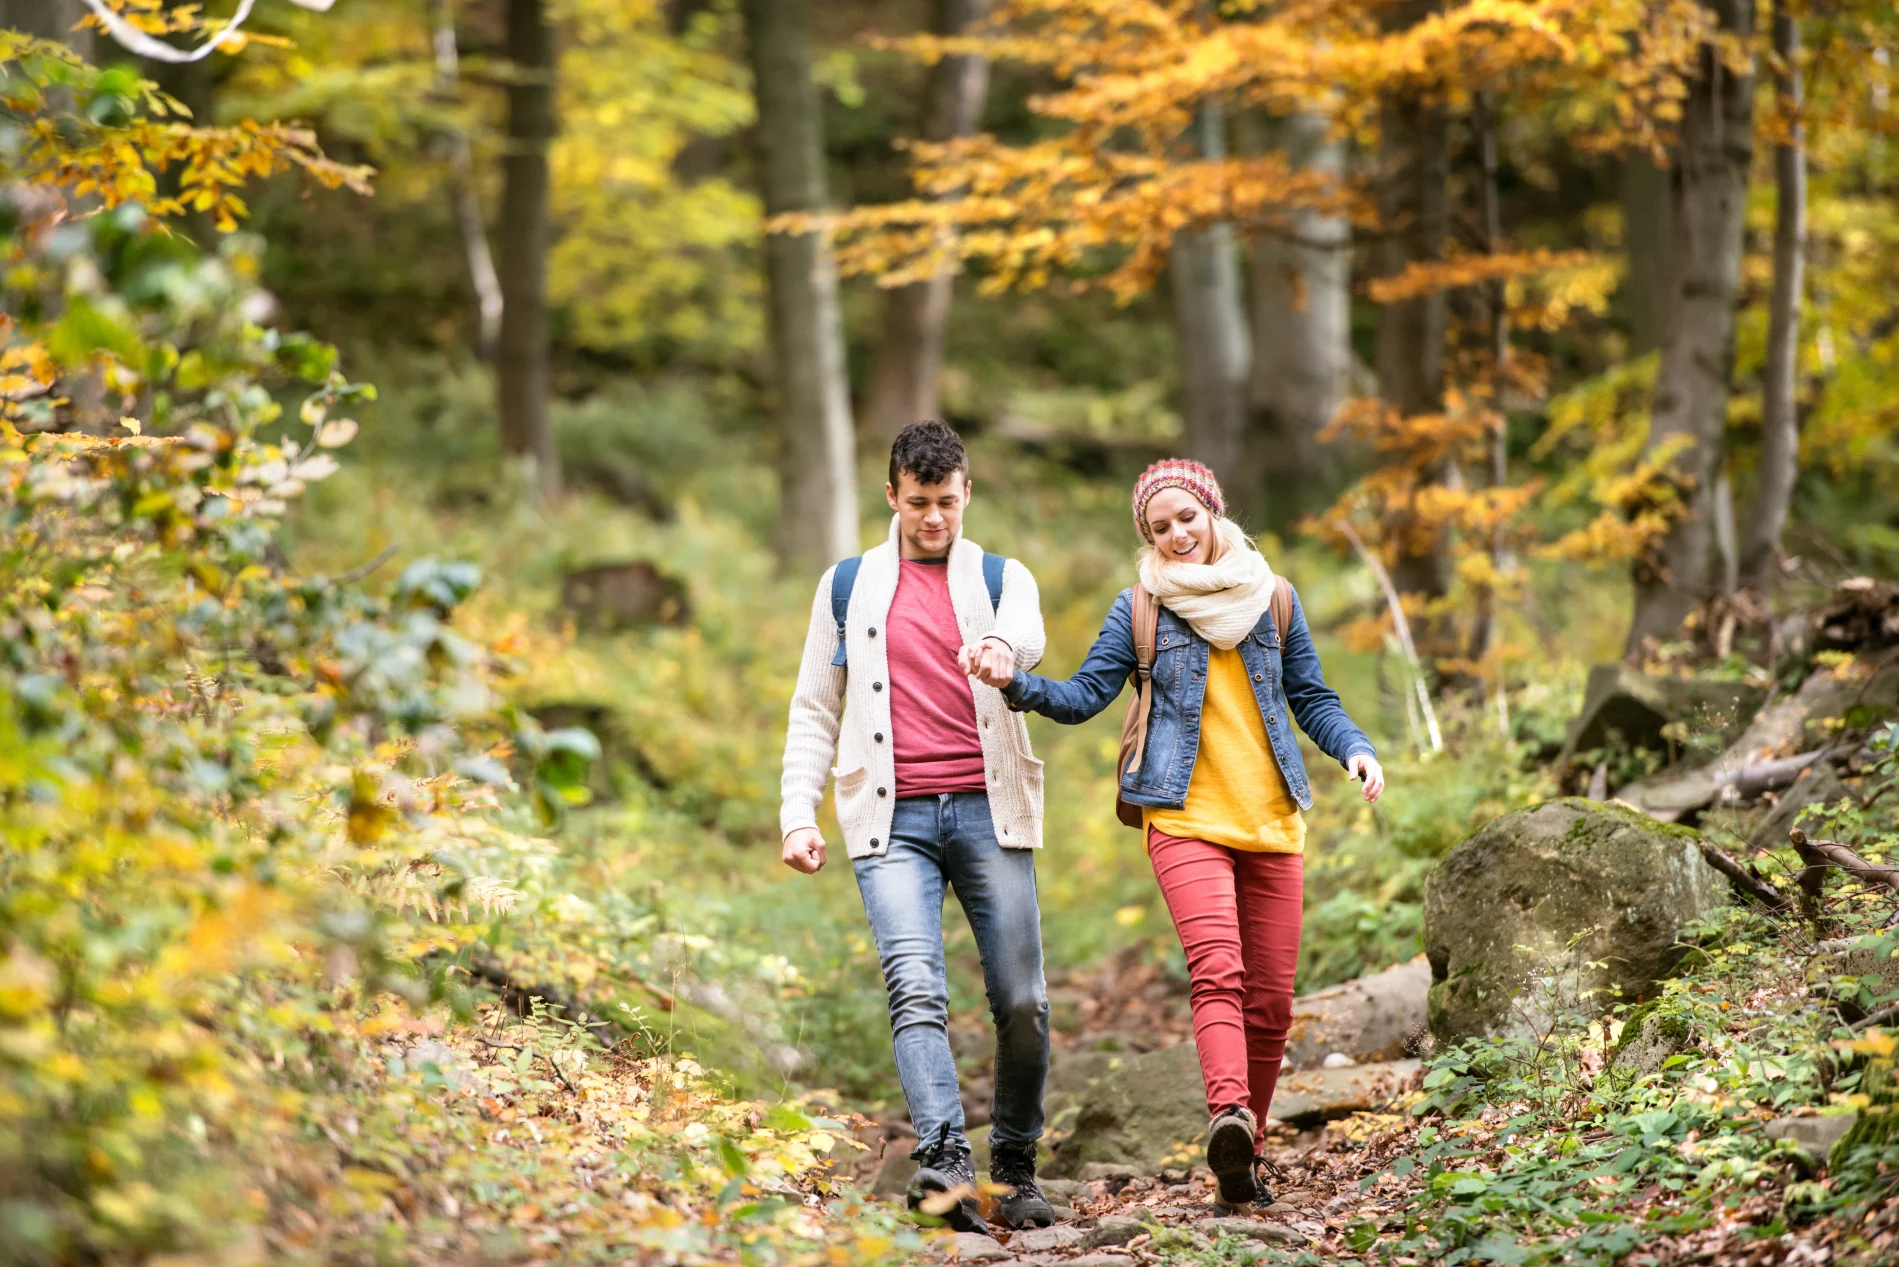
<point>50,20</point>
<point>1210,339</point>
<point>467,206</point>
<point>1692,386</point>
<point>817,513</point>
<point>901,386</point>
<point>1302,348</point>
<point>1780,427</point>
<point>526,429</point>
<point>1413,210</point>
<point>1648,236</point>
<point>1496,297</point>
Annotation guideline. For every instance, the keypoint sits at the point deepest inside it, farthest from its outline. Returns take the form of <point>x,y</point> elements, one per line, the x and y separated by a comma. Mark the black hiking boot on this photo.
<point>1231,1152</point>
<point>1013,1167</point>
<point>948,1170</point>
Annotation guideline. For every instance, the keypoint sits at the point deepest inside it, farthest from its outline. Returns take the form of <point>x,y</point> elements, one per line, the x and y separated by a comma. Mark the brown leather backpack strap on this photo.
<point>1146,627</point>
<point>1281,607</point>
<point>1146,630</point>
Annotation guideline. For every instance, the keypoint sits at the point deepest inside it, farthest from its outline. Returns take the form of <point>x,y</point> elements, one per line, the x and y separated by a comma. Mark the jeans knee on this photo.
<point>1026,1012</point>
<point>918,996</point>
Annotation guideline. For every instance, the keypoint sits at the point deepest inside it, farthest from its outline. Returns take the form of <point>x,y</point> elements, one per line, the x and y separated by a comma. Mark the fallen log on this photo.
<point>1767,776</point>
<point>1824,853</point>
<point>1745,882</point>
<point>1676,798</point>
<point>1372,1018</point>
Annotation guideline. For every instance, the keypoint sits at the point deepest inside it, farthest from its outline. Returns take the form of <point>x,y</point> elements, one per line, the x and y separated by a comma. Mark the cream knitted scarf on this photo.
<point>1222,600</point>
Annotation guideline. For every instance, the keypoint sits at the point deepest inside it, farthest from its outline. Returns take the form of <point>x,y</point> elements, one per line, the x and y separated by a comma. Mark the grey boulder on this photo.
<point>1547,905</point>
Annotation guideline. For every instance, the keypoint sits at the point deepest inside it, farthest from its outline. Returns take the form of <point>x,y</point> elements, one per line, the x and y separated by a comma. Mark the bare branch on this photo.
<point>1745,882</point>
<point>1833,853</point>
<point>151,46</point>
<point>1401,625</point>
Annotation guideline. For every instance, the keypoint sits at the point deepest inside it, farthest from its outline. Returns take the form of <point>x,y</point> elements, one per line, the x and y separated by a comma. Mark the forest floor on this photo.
<point>1562,1164</point>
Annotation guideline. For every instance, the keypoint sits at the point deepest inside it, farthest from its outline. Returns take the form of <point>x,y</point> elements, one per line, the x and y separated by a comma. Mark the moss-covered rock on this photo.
<point>1873,1137</point>
<point>1546,905</point>
<point>1650,1035</point>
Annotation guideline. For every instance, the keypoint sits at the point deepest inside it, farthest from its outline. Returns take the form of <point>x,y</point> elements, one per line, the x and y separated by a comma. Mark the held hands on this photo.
<point>804,850</point>
<point>990,662</point>
<point>1366,767</point>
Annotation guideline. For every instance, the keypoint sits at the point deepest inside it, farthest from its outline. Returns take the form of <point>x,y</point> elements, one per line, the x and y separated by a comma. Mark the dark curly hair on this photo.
<point>928,450</point>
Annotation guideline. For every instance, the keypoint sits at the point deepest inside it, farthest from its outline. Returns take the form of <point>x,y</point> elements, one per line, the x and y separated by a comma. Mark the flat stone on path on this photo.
<point>1039,1240</point>
<point>1249,1229</point>
<point>968,1247</point>
<point>1815,1134</point>
<point>1114,1229</point>
<point>1101,1260</point>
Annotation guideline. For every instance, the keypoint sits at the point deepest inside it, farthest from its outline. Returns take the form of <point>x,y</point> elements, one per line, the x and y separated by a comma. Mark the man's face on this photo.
<point>928,515</point>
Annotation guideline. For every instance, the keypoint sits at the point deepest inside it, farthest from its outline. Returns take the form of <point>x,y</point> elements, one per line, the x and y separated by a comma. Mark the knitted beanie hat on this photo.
<point>1176,473</point>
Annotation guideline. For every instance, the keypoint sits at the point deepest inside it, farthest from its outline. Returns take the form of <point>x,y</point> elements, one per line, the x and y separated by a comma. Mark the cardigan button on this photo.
<point>883,791</point>
<point>873,842</point>
<point>876,686</point>
<point>873,631</point>
<point>879,736</point>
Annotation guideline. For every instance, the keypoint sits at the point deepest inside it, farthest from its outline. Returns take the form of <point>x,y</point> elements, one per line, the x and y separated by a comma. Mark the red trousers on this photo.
<point>1238,916</point>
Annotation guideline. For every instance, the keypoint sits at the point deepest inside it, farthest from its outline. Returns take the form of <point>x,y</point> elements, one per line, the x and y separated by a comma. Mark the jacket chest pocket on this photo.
<point>1267,650</point>
<point>1172,653</point>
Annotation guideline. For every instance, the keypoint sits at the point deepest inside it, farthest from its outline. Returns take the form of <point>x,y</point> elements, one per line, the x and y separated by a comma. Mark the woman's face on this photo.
<point>1182,528</point>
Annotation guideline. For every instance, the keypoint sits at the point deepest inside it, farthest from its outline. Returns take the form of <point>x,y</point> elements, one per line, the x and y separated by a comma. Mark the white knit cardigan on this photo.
<point>843,713</point>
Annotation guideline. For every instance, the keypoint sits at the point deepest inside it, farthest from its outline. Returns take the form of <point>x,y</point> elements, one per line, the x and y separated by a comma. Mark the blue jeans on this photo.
<point>948,840</point>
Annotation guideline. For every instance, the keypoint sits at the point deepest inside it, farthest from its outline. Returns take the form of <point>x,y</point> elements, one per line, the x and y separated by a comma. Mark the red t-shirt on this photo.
<point>932,712</point>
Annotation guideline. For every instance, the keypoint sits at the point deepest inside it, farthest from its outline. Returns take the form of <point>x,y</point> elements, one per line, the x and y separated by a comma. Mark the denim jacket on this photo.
<point>1286,683</point>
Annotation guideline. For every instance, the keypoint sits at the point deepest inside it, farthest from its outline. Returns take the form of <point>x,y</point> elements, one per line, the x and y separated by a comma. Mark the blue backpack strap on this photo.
<point>992,577</point>
<point>843,580</point>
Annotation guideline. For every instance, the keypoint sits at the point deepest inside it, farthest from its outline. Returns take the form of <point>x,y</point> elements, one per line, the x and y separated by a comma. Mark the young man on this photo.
<point>936,788</point>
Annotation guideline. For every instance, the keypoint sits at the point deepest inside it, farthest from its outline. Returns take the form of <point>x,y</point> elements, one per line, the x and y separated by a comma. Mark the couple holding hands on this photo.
<point>915,676</point>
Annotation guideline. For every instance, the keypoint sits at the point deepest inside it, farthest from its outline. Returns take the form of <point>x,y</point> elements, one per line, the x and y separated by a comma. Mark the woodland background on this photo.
<point>425,421</point>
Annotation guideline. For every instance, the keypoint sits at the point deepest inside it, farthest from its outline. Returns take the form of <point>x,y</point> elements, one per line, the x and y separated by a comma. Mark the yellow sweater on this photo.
<point>1238,797</point>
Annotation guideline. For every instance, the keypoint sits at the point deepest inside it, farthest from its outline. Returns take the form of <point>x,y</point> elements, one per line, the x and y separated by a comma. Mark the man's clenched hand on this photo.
<point>804,850</point>
<point>990,662</point>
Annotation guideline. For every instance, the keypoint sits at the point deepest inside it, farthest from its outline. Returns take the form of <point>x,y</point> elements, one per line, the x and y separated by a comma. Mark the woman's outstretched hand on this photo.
<point>990,662</point>
<point>1366,767</point>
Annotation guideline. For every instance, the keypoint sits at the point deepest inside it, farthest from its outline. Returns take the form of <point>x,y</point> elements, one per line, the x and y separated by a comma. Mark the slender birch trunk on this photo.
<point>462,192</point>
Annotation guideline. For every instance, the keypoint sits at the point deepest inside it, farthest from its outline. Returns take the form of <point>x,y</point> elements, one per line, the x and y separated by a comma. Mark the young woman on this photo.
<point>1220,783</point>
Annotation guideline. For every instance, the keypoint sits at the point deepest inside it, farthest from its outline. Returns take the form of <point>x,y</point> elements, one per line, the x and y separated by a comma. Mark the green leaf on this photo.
<point>732,1158</point>
<point>788,1119</point>
<point>85,329</point>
